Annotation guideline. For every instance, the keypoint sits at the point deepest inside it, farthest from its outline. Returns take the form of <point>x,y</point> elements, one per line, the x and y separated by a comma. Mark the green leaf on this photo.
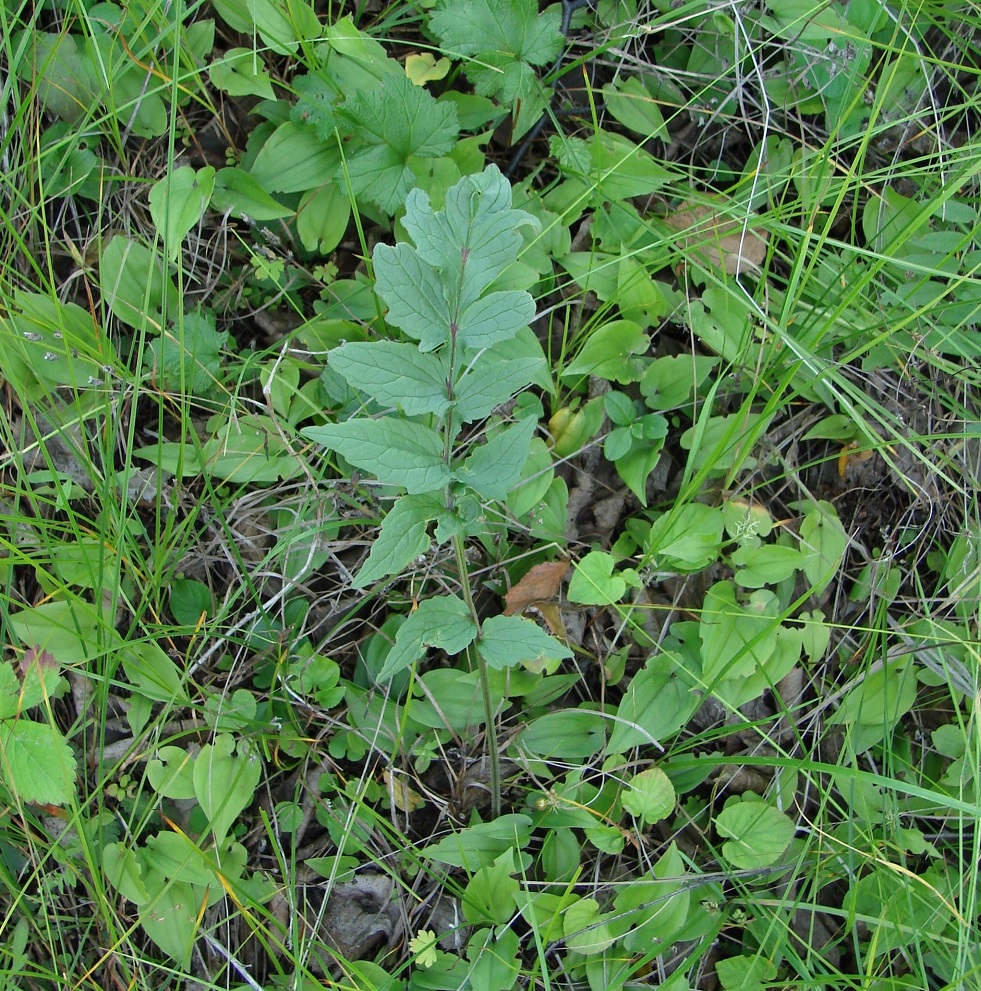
<point>654,707</point>
<point>311,161</point>
<point>152,671</point>
<point>502,39</point>
<point>403,537</point>
<point>322,218</point>
<point>282,27</point>
<point>433,290</point>
<point>824,543</point>
<point>135,285</point>
<point>187,359</point>
<point>395,121</point>
<point>189,600</point>
<point>11,701</point>
<point>686,539</point>
<point>609,353</point>
<point>171,773</point>
<point>178,202</point>
<point>72,630</point>
<point>611,164</point>
<point>497,317</point>
<point>572,734</point>
<point>397,452</point>
<point>586,930</point>
<point>655,910</point>
<point>635,466</point>
<point>241,72</point>
<point>759,834</point>
<point>124,872</point>
<point>491,382</point>
<point>494,468</point>
<point>745,972</point>
<point>395,375</point>
<point>765,565</point>
<point>41,675</point>
<point>630,102</point>
<point>476,235</point>
<point>52,343</point>
<point>413,290</point>
<point>736,639</point>
<point>240,194</point>
<point>650,796</point>
<point>225,781</point>
<point>594,583</point>
<point>243,451</point>
<point>873,707</point>
<point>494,960</point>
<point>171,918</point>
<point>506,641</point>
<point>36,762</point>
<point>489,895</point>
<point>443,621</point>
<point>451,699</point>
<point>480,845</point>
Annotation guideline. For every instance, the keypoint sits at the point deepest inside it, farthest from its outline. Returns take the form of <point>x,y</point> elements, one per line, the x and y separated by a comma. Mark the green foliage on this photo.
<point>299,389</point>
<point>38,765</point>
<point>501,43</point>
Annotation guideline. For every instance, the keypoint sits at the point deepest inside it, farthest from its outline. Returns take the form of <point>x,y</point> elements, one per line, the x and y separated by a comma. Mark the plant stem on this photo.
<point>494,760</point>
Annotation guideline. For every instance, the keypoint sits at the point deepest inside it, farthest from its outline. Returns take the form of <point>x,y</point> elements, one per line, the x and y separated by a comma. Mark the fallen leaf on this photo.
<point>401,795</point>
<point>540,584</point>
<point>723,241</point>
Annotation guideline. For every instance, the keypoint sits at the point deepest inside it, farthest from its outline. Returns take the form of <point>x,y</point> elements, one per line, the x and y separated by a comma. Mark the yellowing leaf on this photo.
<point>425,68</point>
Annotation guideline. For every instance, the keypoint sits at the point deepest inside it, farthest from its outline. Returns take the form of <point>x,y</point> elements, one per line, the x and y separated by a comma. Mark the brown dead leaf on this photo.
<point>540,584</point>
<point>722,241</point>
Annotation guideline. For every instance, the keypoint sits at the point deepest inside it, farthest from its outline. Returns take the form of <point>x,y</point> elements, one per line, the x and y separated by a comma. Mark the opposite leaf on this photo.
<point>397,452</point>
<point>394,375</point>
<point>506,641</point>
<point>443,621</point>
<point>402,538</point>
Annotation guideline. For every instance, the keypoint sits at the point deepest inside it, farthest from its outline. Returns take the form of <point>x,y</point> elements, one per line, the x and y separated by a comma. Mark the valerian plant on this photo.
<point>473,351</point>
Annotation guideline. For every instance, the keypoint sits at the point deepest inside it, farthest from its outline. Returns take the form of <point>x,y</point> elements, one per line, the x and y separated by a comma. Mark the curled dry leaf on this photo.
<point>729,242</point>
<point>540,584</point>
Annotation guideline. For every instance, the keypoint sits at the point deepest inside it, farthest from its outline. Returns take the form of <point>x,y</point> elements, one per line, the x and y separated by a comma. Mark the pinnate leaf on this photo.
<point>433,290</point>
<point>488,384</point>
<point>495,467</point>
<point>413,291</point>
<point>397,452</point>
<point>496,317</point>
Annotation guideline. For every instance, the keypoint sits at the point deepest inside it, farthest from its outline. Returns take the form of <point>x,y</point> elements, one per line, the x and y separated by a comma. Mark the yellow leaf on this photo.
<point>424,68</point>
